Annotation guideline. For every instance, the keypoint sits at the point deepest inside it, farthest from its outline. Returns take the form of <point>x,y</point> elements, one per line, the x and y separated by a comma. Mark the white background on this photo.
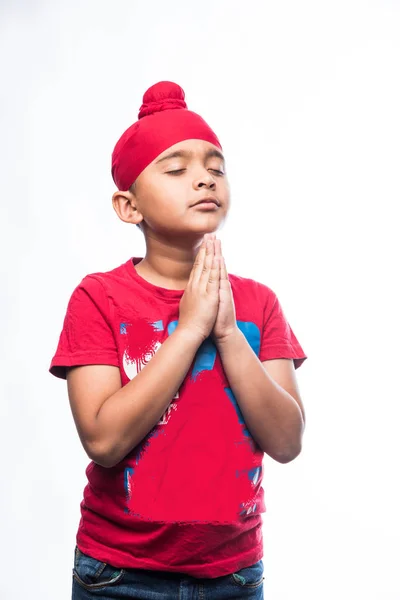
<point>305,98</point>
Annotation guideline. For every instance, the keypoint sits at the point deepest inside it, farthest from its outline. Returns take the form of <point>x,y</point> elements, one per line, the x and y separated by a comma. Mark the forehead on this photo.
<point>190,149</point>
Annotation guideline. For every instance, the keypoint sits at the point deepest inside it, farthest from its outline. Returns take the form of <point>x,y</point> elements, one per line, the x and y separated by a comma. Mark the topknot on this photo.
<point>164,95</point>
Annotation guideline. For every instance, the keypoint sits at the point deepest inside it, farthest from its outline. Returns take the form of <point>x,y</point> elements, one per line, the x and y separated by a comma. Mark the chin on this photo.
<point>193,228</point>
<point>209,225</point>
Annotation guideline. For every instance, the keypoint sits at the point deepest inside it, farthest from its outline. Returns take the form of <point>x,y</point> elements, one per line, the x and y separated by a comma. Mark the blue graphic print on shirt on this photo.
<point>204,361</point>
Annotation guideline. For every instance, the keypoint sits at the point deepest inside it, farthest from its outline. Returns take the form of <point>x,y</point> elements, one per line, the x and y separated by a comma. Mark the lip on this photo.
<point>207,200</point>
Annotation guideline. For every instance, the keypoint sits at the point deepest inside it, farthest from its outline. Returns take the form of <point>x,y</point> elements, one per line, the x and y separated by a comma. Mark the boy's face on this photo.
<point>167,193</point>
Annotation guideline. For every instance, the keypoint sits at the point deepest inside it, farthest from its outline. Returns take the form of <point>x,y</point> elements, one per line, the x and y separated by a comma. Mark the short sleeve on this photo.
<point>278,339</point>
<point>86,337</point>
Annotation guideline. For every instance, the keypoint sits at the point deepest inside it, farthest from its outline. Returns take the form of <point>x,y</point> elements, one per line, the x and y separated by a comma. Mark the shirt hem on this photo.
<point>283,351</point>
<point>60,363</point>
<point>207,571</point>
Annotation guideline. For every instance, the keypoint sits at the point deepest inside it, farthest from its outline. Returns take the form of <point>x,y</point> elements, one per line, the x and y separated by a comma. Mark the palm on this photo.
<point>226,318</point>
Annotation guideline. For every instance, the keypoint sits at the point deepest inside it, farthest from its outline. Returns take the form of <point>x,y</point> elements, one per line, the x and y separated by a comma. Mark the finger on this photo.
<point>224,272</point>
<point>214,275</point>
<point>199,262</point>
<point>208,263</point>
<point>218,251</point>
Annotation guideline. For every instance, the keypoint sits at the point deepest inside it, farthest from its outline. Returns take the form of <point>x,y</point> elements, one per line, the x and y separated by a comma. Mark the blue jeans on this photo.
<point>95,579</point>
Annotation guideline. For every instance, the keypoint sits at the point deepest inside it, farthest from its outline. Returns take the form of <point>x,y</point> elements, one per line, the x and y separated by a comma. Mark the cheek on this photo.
<point>226,193</point>
<point>171,196</point>
<point>163,200</point>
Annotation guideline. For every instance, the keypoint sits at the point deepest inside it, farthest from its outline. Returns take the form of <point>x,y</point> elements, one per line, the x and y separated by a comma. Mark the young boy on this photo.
<point>179,377</point>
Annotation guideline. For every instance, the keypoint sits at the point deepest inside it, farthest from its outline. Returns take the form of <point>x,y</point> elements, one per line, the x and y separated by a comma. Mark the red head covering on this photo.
<point>164,120</point>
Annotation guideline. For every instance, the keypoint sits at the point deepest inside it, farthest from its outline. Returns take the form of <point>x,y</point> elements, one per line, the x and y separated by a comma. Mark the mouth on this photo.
<point>208,201</point>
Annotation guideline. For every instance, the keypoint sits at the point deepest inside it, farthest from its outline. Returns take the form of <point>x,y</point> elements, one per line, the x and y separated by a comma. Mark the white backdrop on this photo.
<point>305,98</point>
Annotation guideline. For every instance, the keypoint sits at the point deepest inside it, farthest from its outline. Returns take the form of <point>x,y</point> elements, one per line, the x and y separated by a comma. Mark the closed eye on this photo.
<point>177,171</point>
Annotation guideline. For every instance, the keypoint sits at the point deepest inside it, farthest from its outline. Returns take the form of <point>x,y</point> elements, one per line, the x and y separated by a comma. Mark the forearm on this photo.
<point>128,415</point>
<point>272,415</point>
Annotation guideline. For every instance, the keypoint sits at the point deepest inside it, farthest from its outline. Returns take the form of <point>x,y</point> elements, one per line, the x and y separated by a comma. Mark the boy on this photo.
<point>179,379</point>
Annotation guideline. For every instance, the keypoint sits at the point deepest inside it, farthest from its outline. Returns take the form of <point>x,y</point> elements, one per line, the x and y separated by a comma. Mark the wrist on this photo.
<point>230,336</point>
<point>190,335</point>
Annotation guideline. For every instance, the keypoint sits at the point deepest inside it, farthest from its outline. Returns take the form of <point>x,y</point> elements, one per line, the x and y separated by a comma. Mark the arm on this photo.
<point>268,397</point>
<point>266,392</point>
<point>111,420</point>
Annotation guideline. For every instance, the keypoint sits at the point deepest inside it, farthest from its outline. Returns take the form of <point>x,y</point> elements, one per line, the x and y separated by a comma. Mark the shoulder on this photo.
<point>100,282</point>
<point>245,286</point>
<point>94,292</point>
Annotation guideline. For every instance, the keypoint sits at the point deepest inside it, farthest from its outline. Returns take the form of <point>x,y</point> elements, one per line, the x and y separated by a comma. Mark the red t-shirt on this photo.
<point>188,498</point>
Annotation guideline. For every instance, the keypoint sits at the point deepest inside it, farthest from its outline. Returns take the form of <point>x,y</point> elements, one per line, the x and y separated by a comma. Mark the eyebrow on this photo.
<point>187,154</point>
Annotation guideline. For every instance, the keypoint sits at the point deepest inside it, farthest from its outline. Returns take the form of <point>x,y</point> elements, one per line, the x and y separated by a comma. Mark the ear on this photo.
<point>125,205</point>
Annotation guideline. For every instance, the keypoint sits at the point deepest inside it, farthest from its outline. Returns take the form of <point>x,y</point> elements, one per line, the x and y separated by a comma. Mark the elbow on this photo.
<point>103,461</point>
<point>286,455</point>
<point>289,456</point>
<point>101,455</point>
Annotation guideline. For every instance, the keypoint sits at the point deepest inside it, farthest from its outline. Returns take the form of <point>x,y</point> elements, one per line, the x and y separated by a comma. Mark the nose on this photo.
<point>205,181</point>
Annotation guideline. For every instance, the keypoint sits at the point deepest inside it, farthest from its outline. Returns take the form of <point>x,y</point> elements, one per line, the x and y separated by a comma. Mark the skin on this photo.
<point>162,203</point>
<point>183,252</point>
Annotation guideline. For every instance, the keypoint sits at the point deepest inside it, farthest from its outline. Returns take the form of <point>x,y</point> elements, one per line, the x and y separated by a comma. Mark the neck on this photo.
<point>168,264</point>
